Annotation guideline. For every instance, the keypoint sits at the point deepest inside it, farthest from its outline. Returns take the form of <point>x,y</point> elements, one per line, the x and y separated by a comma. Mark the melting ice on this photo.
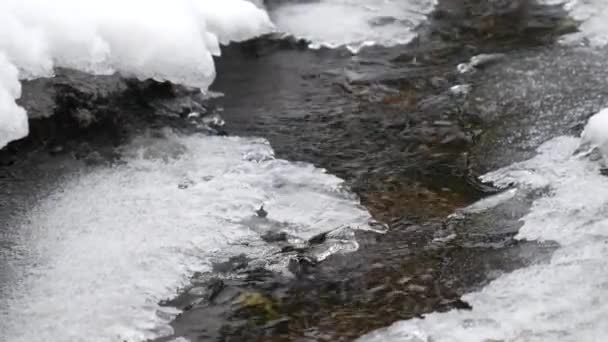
<point>592,14</point>
<point>91,261</point>
<point>352,23</point>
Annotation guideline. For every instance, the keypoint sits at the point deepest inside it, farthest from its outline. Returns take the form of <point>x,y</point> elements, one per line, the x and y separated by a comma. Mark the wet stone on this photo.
<point>416,288</point>
<point>235,263</point>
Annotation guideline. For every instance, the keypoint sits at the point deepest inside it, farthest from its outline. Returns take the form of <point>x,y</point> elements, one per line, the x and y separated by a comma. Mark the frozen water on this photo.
<point>91,261</point>
<point>352,23</point>
<point>563,300</point>
<point>592,14</point>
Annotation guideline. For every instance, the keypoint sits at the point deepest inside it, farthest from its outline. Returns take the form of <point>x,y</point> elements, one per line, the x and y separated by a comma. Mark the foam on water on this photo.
<point>352,23</point>
<point>158,39</point>
<point>91,261</point>
<point>563,300</point>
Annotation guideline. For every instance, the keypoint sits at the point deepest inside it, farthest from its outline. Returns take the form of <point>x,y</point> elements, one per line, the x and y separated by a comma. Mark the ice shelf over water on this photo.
<point>163,40</point>
<point>91,261</point>
<point>352,23</point>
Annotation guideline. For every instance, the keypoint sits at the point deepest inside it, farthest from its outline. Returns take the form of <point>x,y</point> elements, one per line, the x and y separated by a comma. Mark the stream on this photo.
<point>325,189</point>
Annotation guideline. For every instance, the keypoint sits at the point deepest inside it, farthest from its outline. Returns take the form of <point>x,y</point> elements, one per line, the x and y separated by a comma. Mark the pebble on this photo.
<point>416,288</point>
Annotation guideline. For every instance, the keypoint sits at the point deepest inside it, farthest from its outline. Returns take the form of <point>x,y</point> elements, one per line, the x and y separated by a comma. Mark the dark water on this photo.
<point>386,122</point>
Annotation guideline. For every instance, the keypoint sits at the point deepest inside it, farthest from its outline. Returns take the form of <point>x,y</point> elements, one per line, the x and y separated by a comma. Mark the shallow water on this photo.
<point>102,246</point>
<point>558,300</point>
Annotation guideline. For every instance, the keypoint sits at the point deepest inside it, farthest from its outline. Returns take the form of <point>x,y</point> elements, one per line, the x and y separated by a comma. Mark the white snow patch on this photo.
<point>13,120</point>
<point>158,39</point>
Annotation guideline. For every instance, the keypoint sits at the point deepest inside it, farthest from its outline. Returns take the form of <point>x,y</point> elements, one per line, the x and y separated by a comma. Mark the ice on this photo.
<point>595,135</point>
<point>158,39</point>
<point>352,23</point>
<point>91,261</point>
<point>13,120</point>
<point>592,14</point>
<point>563,300</point>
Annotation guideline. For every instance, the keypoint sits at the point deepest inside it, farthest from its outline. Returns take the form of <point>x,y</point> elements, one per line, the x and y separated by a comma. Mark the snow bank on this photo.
<point>163,40</point>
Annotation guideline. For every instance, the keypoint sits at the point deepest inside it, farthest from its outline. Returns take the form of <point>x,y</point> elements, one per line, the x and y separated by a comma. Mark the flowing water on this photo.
<point>162,220</point>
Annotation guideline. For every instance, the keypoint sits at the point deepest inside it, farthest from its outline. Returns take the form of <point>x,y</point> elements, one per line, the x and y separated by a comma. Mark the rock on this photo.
<point>416,288</point>
<point>94,158</point>
<point>485,59</point>
<point>233,264</point>
<point>57,149</point>
<point>461,89</point>
<point>261,212</point>
<point>426,277</point>
<point>479,61</point>
<point>273,237</point>
<point>185,184</point>
<point>263,305</point>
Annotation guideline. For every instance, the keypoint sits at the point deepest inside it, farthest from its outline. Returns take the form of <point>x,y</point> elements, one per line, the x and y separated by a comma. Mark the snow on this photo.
<point>162,40</point>
<point>592,14</point>
<point>13,120</point>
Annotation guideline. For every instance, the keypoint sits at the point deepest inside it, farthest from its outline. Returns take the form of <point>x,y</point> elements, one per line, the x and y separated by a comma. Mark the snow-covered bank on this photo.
<point>352,23</point>
<point>173,40</point>
<point>166,41</point>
